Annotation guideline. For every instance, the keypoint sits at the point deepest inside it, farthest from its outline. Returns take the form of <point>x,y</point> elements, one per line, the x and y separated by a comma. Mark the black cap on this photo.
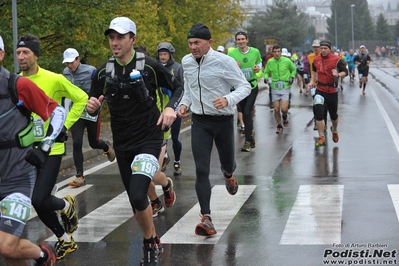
<point>199,31</point>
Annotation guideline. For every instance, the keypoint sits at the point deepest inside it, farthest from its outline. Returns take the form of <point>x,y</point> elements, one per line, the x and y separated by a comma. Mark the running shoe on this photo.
<point>110,153</point>
<point>176,168</point>
<point>279,129</point>
<point>205,227</point>
<point>160,247</point>
<point>253,142</point>
<point>231,185</point>
<point>165,162</point>
<point>157,208</point>
<point>79,181</point>
<point>246,147</point>
<point>364,92</point>
<point>169,196</point>
<point>150,255</point>
<point>51,257</point>
<point>70,217</point>
<point>62,247</point>
<point>335,136</point>
<point>285,122</point>
<point>321,141</point>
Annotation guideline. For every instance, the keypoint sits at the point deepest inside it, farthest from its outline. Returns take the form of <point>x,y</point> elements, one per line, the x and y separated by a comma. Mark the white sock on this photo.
<point>66,237</point>
<point>66,206</point>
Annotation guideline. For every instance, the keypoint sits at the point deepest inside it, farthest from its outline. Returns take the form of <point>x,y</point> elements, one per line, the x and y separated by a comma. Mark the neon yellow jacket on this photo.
<point>56,86</point>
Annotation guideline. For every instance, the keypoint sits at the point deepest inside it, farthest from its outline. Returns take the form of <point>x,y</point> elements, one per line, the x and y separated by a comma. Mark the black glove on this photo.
<point>36,157</point>
<point>265,81</point>
<point>291,80</point>
<point>63,136</point>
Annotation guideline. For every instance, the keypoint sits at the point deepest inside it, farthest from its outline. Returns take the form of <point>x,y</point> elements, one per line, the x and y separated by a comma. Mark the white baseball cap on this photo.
<point>1,44</point>
<point>121,25</point>
<point>220,49</point>
<point>70,55</point>
<point>284,52</point>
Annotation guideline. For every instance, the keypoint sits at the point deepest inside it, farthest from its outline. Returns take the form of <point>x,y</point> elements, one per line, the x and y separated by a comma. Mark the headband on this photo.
<point>242,33</point>
<point>33,46</point>
<point>325,44</point>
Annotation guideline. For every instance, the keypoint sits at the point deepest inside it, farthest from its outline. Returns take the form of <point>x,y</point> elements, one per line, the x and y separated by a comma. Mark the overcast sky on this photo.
<point>394,3</point>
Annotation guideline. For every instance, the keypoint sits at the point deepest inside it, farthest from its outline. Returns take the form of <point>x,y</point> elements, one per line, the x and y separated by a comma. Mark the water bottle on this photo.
<point>138,85</point>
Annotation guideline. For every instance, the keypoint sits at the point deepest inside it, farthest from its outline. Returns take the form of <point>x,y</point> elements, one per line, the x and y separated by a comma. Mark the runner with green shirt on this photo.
<point>250,62</point>
<point>283,72</point>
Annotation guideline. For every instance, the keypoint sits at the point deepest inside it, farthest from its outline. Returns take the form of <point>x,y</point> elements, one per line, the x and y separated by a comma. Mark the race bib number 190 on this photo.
<point>145,164</point>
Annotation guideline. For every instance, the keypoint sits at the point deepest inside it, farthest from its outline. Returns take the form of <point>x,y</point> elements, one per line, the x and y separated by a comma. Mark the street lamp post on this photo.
<point>353,38</point>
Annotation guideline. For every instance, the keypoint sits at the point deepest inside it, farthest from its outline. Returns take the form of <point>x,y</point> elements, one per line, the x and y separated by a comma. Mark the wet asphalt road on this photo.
<point>297,205</point>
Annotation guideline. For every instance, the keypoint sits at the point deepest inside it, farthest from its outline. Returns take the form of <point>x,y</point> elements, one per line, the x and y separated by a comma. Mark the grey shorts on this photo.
<point>15,202</point>
<point>280,95</point>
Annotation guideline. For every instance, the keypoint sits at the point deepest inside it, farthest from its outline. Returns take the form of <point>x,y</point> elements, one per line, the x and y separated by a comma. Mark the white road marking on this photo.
<point>99,223</point>
<point>316,216</point>
<point>394,191</point>
<point>388,121</point>
<point>61,193</point>
<point>87,172</point>
<point>224,208</point>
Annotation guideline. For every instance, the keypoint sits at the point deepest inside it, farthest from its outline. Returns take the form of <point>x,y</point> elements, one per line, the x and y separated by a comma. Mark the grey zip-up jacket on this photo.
<point>213,77</point>
<point>81,77</point>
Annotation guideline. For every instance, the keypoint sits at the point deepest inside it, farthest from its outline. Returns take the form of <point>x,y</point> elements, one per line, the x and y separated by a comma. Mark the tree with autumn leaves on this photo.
<point>81,24</point>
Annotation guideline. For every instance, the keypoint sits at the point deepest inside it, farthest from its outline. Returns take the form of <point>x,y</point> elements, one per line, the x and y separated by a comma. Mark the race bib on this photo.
<point>85,115</point>
<point>39,128</point>
<point>318,99</point>
<point>279,85</point>
<point>247,72</point>
<point>145,164</point>
<point>16,207</point>
<point>360,76</point>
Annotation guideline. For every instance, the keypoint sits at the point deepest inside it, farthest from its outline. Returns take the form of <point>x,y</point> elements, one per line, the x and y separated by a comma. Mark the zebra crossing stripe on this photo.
<point>105,219</point>
<point>315,218</point>
<point>62,193</point>
<point>394,191</point>
<point>224,208</point>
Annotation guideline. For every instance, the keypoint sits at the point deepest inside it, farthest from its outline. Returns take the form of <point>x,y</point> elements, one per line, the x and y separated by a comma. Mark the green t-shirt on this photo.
<point>247,63</point>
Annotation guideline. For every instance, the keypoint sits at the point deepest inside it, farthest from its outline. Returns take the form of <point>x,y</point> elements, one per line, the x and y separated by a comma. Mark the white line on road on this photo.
<point>388,121</point>
<point>62,193</point>
<point>105,219</point>
<point>394,191</point>
<point>224,208</point>
<point>87,172</point>
<point>316,215</point>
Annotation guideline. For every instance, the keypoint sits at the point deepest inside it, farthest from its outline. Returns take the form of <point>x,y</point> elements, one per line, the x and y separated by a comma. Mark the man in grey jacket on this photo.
<point>208,79</point>
<point>81,75</point>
